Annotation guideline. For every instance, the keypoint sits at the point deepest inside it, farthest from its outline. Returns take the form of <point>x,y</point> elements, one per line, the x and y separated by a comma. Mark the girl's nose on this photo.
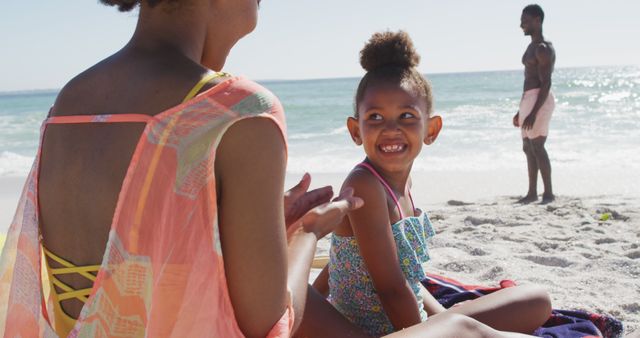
<point>391,126</point>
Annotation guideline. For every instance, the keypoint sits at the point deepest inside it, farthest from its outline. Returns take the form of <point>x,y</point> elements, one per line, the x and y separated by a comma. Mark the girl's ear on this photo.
<point>354,130</point>
<point>434,125</point>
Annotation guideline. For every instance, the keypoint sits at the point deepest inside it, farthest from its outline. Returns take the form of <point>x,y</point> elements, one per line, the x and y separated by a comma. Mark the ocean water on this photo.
<point>596,123</point>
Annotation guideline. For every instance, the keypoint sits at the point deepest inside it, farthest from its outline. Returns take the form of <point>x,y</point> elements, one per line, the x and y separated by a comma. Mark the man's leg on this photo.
<point>532,167</point>
<point>545,167</point>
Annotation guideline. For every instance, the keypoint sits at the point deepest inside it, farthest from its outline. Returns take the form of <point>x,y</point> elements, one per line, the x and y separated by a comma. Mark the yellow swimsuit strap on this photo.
<point>205,79</point>
<point>68,267</point>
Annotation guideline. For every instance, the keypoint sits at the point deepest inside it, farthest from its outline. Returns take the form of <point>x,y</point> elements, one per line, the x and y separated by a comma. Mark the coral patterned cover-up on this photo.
<point>162,274</point>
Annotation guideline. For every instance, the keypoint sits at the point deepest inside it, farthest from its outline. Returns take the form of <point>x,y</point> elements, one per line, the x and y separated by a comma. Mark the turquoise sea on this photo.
<point>596,122</point>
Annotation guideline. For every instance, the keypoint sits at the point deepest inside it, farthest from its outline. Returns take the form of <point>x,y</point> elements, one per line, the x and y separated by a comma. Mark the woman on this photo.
<point>156,196</point>
<point>140,198</point>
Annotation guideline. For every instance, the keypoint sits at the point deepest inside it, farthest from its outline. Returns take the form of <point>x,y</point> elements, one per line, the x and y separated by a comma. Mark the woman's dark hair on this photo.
<point>127,5</point>
<point>391,57</point>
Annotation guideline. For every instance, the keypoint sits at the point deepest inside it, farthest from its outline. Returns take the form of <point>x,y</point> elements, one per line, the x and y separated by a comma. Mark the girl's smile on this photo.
<point>392,148</point>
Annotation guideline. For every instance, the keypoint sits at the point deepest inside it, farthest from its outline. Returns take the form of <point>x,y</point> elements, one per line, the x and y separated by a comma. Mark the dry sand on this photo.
<point>584,250</point>
<point>584,261</point>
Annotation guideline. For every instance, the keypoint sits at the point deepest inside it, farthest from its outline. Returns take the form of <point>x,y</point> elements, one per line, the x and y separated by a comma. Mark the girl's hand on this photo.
<point>431,305</point>
<point>298,201</point>
<point>516,123</point>
<point>322,219</point>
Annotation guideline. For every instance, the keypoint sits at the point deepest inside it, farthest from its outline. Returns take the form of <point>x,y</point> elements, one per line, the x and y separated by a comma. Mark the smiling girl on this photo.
<point>376,256</point>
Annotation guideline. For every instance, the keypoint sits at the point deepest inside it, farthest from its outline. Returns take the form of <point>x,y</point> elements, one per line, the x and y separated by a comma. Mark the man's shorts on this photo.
<point>541,125</point>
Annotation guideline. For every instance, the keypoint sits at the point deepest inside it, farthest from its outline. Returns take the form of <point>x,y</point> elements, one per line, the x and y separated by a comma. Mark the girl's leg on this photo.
<point>453,325</point>
<point>321,319</point>
<point>518,309</point>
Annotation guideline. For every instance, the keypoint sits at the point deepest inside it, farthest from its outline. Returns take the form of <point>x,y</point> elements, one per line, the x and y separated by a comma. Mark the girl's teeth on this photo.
<point>392,148</point>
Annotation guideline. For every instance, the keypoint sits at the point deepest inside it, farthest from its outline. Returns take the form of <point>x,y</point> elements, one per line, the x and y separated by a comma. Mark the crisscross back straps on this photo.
<point>68,268</point>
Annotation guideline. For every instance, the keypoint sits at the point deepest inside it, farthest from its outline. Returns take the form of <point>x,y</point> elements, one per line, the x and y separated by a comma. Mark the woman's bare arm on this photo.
<point>250,169</point>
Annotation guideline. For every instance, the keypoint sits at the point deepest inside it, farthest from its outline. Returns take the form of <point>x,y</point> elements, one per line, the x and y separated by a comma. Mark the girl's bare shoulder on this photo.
<point>365,185</point>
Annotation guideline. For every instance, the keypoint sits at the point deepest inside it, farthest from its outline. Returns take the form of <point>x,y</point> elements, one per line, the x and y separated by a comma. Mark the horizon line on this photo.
<point>48,90</point>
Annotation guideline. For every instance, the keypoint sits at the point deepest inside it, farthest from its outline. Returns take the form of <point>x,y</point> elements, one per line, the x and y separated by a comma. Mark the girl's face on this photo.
<point>391,126</point>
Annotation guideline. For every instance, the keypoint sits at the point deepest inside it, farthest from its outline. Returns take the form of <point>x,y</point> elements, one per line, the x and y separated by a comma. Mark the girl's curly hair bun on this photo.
<point>389,49</point>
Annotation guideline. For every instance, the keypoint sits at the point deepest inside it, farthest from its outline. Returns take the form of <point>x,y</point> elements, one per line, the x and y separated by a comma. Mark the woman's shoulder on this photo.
<point>74,97</point>
<point>244,96</point>
<point>248,91</point>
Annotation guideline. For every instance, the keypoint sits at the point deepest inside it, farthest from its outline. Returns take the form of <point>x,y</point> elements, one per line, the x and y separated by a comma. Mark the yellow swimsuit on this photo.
<point>63,322</point>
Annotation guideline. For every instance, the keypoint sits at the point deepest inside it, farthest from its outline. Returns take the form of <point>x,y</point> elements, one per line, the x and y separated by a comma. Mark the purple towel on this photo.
<point>561,324</point>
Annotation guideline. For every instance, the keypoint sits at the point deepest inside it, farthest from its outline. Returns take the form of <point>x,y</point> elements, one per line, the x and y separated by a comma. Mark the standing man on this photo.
<point>537,103</point>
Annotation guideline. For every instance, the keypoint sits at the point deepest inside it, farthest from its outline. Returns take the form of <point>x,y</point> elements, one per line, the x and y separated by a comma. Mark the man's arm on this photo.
<point>431,305</point>
<point>544,56</point>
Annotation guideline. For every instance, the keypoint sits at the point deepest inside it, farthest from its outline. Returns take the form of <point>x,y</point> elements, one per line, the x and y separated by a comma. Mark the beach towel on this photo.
<point>162,274</point>
<point>561,324</point>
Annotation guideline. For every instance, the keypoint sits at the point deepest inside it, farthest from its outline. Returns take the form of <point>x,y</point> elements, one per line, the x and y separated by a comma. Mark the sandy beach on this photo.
<point>584,248</point>
<point>10,190</point>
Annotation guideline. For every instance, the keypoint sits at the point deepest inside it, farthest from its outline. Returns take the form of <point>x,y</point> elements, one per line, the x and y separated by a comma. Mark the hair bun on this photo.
<point>389,49</point>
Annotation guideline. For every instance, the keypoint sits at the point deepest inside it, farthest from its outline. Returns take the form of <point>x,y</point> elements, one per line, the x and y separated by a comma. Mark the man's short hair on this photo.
<point>534,11</point>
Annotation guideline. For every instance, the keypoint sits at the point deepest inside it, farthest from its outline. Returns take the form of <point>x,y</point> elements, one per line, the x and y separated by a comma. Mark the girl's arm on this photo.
<point>371,227</point>
<point>431,305</point>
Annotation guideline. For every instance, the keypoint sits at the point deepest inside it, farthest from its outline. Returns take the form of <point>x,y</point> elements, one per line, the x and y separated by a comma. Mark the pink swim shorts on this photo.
<point>541,125</point>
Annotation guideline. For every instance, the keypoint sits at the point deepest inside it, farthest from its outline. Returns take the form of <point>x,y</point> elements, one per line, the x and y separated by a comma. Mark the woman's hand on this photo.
<point>322,219</point>
<point>298,201</point>
<point>516,123</point>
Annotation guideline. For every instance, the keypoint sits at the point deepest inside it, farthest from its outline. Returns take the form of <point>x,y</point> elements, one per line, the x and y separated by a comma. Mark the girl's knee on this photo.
<point>536,297</point>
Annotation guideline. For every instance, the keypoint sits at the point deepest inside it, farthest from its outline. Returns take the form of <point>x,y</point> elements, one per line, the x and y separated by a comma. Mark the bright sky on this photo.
<point>43,43</point>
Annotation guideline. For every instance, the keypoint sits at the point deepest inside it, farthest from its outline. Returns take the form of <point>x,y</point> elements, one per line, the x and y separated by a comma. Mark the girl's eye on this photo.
<point>407,115</point>
<point>375,116</point>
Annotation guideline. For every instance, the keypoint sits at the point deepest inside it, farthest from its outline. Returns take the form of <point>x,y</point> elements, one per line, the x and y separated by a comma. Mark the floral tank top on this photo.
<point>352,291</point>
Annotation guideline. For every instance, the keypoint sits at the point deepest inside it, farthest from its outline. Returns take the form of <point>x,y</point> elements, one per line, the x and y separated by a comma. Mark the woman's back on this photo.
<point>83,165</point>
<point>142,195</point>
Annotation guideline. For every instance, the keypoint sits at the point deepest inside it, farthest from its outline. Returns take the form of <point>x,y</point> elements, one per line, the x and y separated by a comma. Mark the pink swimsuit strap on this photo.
<point>141,118</point>
<point>386,185</point>
<point>106,118</point>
